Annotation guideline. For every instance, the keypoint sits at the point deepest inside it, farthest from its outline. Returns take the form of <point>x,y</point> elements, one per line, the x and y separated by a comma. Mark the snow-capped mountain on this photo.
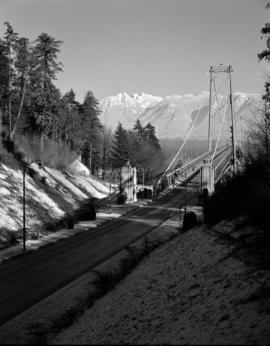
<point>126,109</point>
<point>172,116</point>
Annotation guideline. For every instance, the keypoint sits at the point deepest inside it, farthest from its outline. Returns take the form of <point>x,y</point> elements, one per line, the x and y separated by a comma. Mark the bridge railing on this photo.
<point>198,160</point>
<point>222,167</point>
<point>194,164</point>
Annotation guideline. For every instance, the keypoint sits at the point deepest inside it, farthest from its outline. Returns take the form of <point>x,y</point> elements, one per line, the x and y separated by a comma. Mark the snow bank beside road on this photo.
<point>11,203</point>
<point>187,291</point>
<point>50,194</point>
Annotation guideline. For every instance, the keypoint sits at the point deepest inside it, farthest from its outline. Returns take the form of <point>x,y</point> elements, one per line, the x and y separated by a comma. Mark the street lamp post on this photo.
<point>24,230</point>
<point>110,207</point>
<point>185,193</point>
<point>24,190</point>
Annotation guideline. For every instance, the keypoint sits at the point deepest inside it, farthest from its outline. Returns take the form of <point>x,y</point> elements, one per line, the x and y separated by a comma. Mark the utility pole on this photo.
<point>230,70</point>
<point>24,229</point>
<point>242,142</point>
<point>110,206</point>
<point>210,106</point>
<point>24,165</point>
<point>185,194</point>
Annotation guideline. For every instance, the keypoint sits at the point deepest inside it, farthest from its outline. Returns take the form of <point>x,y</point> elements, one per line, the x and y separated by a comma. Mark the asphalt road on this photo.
<point>30,277</point>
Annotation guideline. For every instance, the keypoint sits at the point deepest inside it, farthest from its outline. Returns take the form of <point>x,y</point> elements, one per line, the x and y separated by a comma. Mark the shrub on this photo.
<point>33,236</point>
<point>8,237</point>
<point>3,135</point>
<point>43,180</point>
<point>9,145</point>
<point>121,198</point>
<point>70,223</point>
<point>31,172</point>
<point>51,226</point>
<point>244,194</point>
<point>19,156</point>
<point>190,220</point>
<point>86,211</point>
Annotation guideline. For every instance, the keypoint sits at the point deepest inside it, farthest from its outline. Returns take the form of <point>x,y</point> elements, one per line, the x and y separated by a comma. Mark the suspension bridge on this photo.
<point>77,255</point>
<point>219,159</point>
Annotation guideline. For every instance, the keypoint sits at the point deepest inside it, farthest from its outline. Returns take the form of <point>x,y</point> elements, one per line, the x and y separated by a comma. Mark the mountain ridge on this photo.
<point>173,115</point>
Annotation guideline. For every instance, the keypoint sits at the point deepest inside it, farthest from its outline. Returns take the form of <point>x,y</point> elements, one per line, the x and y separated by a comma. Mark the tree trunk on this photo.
<point>41,148</point>
<point>9,92</point>
<point>103,163</point>
<point>267,137</point>
<point>20,110</point>
<point>1,117</point>
<point>90,158</point>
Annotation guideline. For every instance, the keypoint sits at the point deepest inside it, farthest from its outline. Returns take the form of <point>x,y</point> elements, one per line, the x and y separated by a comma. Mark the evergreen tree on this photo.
<point>30,102</point>
<point>20,94</point>
<point>89,113</point>
<point>138,130</point>
<point>4,76</point>
<point>150,135</point>
<point>10,42</point>
<point>70,100</point>
<point>263,130</point>
<point>69,120</point>
<point>90,128</point>
<point>144,151</point>
<point>22,61</point>
<point>119,152</point>
<point>45,55</point>
<point>265,55</point>
<point>45,97</point>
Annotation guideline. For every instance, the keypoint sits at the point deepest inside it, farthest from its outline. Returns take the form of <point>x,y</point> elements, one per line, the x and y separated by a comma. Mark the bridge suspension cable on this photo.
<point>213,71</point>
<point>221,124</point>
<point>189,132</point>
<point>182,145</point>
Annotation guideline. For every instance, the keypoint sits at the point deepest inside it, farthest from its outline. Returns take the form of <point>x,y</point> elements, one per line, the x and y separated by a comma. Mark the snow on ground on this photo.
<point>188,291</point>
<point>11,204</point>
<point>67,187</point>
<point>48,196</point>
<point>92,186</point>
<point>76,167</point>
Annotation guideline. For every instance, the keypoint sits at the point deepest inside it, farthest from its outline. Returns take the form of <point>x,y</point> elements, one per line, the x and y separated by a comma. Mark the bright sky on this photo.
<point>160,47</point>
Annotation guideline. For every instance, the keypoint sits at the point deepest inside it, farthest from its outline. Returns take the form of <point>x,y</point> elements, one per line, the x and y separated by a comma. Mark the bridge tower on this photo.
<point>212,72</point>
<point>210,107</point>
<point>129,182</point>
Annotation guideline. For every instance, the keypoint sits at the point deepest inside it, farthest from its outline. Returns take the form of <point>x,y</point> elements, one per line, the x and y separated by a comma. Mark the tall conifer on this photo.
<point>120,147</point>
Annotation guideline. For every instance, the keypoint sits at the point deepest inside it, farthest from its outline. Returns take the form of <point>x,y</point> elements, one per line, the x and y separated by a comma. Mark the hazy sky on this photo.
<point>161,47</point>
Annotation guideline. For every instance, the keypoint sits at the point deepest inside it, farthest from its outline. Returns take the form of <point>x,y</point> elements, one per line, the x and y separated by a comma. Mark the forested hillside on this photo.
<point>55,128</point>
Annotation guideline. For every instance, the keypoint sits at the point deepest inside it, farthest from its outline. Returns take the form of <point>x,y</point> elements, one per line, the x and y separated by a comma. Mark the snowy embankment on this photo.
<point>49,195</point>
<point>189,291</point>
